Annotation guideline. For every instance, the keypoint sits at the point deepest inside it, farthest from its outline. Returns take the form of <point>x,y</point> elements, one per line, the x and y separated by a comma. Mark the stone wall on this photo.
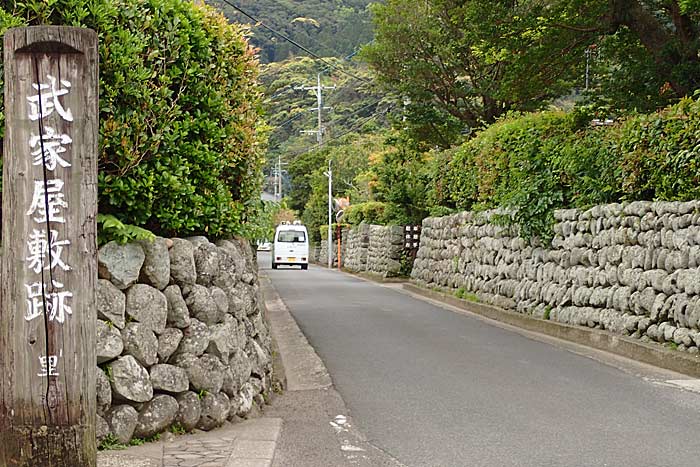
<point>323,253</point>
<point>373,248</point>
<point>182,339</point>
<point>366,248</point>
<point>632,269</point>
<point>357,247</point>
<point>385,248</point>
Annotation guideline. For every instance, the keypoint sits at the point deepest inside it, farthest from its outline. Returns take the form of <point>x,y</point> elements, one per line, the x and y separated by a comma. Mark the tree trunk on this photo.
<point>661,43</point>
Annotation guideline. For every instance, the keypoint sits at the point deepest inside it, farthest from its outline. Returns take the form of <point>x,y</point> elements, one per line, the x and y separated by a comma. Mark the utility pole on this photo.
<point>318,90</point>
<point>591,52</point>
<point>329,174</point>
<point>279,177</point>
<point>274,174</point>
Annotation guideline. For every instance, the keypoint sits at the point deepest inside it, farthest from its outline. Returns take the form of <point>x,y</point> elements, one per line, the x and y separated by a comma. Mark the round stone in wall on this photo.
<point>109,342</point>
<point>101,429</point>
<point>122,421</point>
<point>205,373</point>
<point>156,415</point>
<point>140,342</point>
<point>182,265</point>
<point>189,410</point>
<point>120,264</point>
<point>130,380</point>
<point>148,306</point>
<point>178,314</point>
<point>215,409</point>
<point>156,266</point>
<point>195,339</point>
<point>111,303</point>
<point>168,342</point>
<point>169,378</point>
<point>206,259</point>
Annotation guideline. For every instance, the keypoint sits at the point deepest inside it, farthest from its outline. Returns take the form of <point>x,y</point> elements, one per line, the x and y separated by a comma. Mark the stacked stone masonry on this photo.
<point>385,249</point>
<point>376,249</point>
<point>633,269</point>
<point>182,338</point>
<point>357,242</point>
<point>323,253</point>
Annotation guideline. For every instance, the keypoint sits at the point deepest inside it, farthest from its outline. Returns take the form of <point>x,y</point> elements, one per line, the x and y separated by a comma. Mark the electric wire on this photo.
<point>293,42</point>
<point>349,130</point>
<point>345,117</point>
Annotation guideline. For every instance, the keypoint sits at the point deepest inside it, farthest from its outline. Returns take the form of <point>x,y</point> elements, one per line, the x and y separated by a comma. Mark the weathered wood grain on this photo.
<point>49,420</point>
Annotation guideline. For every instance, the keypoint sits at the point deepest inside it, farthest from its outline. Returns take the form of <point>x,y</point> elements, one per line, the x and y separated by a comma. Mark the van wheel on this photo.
<point>304,266</point>
<point>274,265</point>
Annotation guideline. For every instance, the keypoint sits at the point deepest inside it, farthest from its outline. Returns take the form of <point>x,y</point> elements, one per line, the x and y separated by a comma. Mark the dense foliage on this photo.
<point>536,163</point>
<point>462,64</point>
<point>369,212</point>
<point>530,164</point>
<point>383,175</point>
<point>180,150</point>
<point>354,106</point>
<point>328,27</point>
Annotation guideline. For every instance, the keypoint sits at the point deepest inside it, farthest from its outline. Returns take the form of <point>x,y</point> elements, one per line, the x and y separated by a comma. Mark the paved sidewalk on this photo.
<point>248,444</point>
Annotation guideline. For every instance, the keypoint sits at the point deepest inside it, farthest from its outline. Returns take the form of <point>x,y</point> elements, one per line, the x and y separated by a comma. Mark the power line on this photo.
<point>318,90</point>
<point>344,117</point>
<point>361,122</point>
<point>292,41</point>
<point>288,121</point>
<point>352,128</point>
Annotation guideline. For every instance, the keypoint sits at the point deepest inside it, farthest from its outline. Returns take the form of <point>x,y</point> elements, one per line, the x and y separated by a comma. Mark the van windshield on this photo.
<point>291,236</point>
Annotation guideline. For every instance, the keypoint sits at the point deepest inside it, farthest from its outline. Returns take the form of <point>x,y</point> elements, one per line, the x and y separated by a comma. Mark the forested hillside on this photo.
<point>327,27</point>
<point>351,104</point>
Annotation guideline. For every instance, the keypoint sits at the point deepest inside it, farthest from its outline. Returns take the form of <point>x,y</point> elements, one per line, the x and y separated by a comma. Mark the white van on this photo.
<point>291,245</point>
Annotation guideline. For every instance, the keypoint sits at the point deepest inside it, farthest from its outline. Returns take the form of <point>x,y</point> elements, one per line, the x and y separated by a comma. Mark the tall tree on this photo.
<point>465,63</point>
<point>668,30</point>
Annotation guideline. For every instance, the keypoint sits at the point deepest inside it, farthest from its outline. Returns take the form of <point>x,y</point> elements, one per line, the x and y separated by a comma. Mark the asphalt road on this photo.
<point>431,387</point>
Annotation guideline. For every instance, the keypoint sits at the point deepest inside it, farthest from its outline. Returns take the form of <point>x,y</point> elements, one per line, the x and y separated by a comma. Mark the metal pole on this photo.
<point>330,213</point>
<point>319,101</point>
<point>279,177</point>
<point>588,59</point>
<point>274,175</point>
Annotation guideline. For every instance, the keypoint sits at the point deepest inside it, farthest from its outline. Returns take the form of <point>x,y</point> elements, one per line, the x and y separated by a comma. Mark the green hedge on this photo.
<point>180,150</point>
<point>371,212</point>
<point>536,163</point>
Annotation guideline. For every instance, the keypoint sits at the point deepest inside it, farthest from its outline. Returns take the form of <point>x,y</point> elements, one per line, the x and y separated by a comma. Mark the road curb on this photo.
<point>375,277</point>
<point>302,367</point>
<point>279,372</point>
<point>368,275</point>
<point>602,340</point>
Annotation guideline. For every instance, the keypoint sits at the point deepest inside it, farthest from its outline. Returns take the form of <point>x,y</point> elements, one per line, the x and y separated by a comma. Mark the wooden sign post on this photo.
<point>49,263</point>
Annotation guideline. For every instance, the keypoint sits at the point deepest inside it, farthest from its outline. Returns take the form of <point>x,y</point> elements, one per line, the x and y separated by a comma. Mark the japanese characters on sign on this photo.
<point>46,296</point>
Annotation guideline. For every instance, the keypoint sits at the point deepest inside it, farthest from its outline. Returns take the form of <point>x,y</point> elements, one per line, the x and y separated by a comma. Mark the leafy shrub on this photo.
<point>114,229</point>
<point>371,212</point>
<point>180,150</point>
<point>533,164</point>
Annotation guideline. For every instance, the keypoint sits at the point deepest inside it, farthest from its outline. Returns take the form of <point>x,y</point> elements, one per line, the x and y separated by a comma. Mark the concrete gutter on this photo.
<point>373,276</point>
<point>652,354</point>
